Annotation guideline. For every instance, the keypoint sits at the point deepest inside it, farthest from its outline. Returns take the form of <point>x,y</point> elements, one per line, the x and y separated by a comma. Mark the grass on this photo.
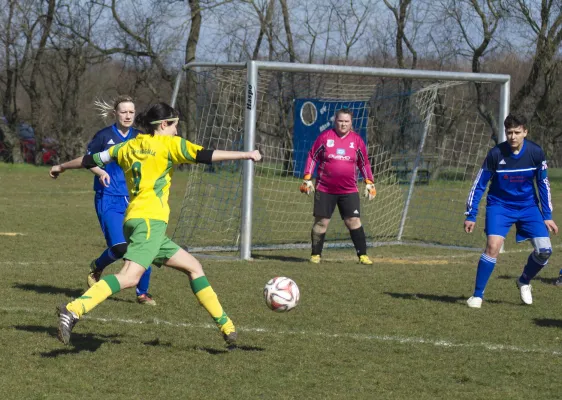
<point>398,330</point>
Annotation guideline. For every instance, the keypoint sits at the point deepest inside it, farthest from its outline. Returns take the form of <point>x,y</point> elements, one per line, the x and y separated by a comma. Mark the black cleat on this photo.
<point>66,322</point>
<point>231,338</point>
<point>559,281</point>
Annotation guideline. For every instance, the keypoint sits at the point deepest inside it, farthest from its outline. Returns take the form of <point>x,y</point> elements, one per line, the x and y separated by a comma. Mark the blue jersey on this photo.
<point>513,177</point>
<point>101,141</point>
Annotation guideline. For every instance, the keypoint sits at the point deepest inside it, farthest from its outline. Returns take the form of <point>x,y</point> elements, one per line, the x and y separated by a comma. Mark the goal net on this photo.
<point>426,140</point>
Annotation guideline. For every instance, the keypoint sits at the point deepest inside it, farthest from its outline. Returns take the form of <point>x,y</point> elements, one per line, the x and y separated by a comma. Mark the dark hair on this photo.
<point>344,111</point>
<point>155,112</point>
<point>513,121</point>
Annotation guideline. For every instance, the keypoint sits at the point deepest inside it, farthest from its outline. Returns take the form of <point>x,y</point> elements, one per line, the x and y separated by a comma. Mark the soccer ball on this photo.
<point>281,294</point>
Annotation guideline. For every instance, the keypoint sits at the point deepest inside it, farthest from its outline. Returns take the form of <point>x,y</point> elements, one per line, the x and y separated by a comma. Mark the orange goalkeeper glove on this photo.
<point>370,191</point>
<point>307,186</point>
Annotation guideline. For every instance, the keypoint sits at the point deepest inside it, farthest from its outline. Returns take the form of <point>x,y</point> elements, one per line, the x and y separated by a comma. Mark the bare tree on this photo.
<point>547,30</point>
<point>351,20</point>
<point>540,94</point>
<point>28,26</point>
<point>34,61</point>
<point>144,33</point>
<point>9,81</point>
<point>478,24</point>
<point>288,31</point>
<point>400,12</point>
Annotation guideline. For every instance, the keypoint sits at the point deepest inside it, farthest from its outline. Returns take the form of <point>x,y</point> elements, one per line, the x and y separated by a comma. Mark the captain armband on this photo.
<point>88,161</point>
<point>204,156</point>
<point>96,160</point>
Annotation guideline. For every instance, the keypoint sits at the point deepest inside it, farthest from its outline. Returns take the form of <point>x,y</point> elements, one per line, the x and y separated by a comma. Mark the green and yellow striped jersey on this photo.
<point>147,163</point>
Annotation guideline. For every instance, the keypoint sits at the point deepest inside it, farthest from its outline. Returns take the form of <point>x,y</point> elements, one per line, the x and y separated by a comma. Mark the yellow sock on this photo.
<point>107,286</point>
<point>208,299</point>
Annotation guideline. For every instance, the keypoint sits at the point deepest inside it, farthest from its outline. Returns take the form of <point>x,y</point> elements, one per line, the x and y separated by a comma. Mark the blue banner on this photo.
<point>313,116</point>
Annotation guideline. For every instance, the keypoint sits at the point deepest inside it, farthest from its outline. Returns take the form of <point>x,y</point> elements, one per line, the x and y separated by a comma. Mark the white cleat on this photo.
<point>474,302</point>
<point>525,292</point>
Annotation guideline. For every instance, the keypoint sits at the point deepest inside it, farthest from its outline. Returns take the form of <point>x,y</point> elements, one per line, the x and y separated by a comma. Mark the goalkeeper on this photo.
<point>147,161</point>
<point>338,153</point>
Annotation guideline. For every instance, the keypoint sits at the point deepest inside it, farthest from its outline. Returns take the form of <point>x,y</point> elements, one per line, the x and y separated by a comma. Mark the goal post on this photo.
<point>425,136</point>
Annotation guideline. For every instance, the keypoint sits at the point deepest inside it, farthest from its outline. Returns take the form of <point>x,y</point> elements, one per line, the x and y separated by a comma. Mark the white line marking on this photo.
<point>53,192</point>
<point>26,263</point>
<point>404,259</point>
<point>354,336</point>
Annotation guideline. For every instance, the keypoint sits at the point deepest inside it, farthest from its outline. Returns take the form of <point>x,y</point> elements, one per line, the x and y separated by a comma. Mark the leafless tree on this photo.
<point>351,19</point>
<point>478,23</point>
<point>400,11</point>
<point>9,81</point>
<point>540,94</point>
<point>288,31</point>
<point>28,27</point>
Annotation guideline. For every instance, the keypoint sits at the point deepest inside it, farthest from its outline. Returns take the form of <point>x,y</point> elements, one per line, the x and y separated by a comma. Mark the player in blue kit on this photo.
<point>512,167</point>
<point>112,201</point>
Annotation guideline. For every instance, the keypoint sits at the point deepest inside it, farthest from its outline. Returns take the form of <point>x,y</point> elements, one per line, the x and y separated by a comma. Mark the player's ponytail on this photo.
<point>105,109</point>
<point>145,120</point>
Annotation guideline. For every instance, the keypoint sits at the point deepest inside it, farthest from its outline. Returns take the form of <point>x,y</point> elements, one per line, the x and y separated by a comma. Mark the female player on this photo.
<point>147,161</point>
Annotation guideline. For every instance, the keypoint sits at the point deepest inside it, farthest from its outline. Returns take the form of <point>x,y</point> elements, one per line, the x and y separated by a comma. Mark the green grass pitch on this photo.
<point>397,330</point>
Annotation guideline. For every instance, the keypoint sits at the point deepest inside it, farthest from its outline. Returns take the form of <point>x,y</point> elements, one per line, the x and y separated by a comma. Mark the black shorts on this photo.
<point>325,204</point>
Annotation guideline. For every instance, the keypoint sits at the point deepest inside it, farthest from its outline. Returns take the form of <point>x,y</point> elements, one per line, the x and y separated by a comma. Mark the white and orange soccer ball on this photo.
<point>281,294</point>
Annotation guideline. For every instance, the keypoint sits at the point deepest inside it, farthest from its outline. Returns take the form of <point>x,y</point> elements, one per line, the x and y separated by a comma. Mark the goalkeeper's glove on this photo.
<point>370,191</point>
<point>307,186</point>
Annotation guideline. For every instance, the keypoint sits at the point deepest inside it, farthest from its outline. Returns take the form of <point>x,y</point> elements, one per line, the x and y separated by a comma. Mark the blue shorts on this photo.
<point>111,213</point>
<point>528,221</point>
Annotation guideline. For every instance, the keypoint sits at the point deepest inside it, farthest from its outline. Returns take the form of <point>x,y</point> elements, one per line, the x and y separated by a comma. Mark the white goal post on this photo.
<point>427,132</point>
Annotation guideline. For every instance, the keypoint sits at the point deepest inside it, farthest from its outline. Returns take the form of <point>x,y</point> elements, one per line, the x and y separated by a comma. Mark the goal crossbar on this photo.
<point>253,68</point>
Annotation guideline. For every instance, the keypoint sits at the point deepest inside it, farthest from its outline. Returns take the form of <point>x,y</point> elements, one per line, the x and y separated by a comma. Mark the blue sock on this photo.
<point>560,273</point>
<point>485,268</point>
<point>531,269</point>
<point>144,282</point>
<point>106,258</point>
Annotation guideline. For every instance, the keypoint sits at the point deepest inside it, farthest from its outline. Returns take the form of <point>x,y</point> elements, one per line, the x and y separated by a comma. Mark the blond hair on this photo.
<point>104,108</point>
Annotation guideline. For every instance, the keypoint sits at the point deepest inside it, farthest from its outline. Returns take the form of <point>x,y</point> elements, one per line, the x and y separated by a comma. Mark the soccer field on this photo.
<point>398,330</point>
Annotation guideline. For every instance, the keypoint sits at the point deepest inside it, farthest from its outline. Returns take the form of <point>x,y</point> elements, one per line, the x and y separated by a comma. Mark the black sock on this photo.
<point>359,240</point>
<point>317,242</point>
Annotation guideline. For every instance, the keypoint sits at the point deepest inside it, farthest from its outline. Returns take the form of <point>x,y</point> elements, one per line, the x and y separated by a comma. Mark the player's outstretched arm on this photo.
<point>224,155</point>
<point>551,225</point>
<point>77,163</point>
<point>56,170</point>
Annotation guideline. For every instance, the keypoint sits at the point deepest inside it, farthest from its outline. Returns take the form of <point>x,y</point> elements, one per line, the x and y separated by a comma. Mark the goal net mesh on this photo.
<point>430,127</point>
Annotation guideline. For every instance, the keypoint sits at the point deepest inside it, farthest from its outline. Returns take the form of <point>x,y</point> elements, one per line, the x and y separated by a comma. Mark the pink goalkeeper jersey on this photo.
<point>338,159</point>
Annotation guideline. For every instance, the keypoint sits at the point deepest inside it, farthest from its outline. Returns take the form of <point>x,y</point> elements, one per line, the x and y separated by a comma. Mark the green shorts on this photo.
<point>148,243</point>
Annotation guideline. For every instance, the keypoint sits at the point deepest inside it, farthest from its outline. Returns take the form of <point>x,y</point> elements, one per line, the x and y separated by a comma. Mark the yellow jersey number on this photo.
<point>136,171</point>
